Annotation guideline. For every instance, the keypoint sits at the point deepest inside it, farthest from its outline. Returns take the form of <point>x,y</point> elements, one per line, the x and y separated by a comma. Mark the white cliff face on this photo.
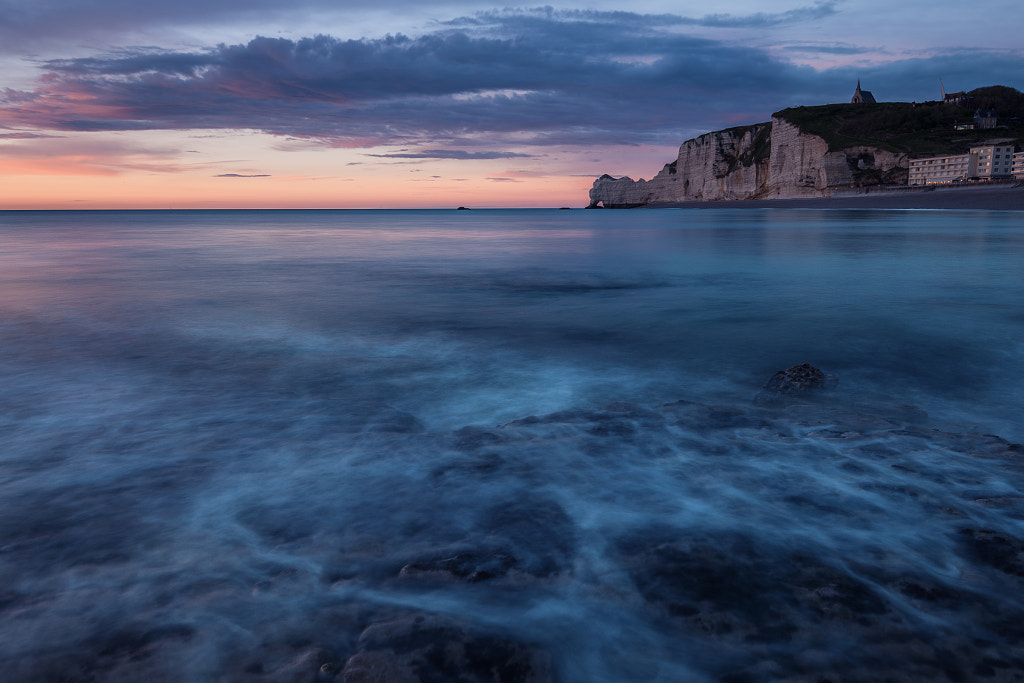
<point>797,167</point>
<point>721,165</point>
<point>621,193</point>
<point>764,161</point>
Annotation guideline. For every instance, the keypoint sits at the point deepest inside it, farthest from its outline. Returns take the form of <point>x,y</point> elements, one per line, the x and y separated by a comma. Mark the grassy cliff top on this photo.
<point>914,129</point>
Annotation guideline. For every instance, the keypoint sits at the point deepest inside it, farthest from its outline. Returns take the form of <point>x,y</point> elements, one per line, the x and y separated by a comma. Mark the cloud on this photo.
<point>25,136</point>
<point>830,49</point>
<point>512,78</point>
<point>451,154</point>
<point>28,25</point>
<point>399,89</point>
<point>505,180</point>
<point>240,175</point>
<point>89,155</point>
<point>819,10</point>
<point>534,17</point>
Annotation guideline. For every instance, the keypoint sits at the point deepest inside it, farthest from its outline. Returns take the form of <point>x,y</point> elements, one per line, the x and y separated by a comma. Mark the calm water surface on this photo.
<point>234,429</point>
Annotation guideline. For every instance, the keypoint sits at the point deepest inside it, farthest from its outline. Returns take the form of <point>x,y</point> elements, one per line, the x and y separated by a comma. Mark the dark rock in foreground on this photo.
<point>429,648</point>
<point>994,549</point>
<point>799,541</point>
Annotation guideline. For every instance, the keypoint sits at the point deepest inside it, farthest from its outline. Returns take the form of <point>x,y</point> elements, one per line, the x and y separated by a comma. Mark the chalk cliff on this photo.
<point>772,160</point>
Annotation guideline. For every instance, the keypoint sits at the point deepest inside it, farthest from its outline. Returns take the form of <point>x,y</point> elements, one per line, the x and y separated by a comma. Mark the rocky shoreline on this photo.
<point>793,537</point>
<point>746,605</point>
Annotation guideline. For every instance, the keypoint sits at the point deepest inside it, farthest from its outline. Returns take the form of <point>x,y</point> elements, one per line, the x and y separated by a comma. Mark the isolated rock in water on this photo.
<point>798,381</point>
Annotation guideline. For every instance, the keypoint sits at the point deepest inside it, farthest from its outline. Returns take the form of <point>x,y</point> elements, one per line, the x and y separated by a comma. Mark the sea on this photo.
<point>511,445</point>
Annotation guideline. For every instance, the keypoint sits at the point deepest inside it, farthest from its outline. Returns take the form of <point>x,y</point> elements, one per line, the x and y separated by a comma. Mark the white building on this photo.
<point>1018,166</point>
<point>938,170</point>
<point>981,163</point>
<point>994,161</point>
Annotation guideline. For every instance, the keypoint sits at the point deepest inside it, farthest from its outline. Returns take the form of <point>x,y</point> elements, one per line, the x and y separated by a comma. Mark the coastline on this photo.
<point>970,198</point>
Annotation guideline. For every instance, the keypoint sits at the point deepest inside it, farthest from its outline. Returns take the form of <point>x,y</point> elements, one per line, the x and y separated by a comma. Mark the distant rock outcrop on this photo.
<point>772,160</point>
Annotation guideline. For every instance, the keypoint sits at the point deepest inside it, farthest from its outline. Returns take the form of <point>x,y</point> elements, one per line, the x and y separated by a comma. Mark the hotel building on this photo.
<point>1018,166</point>
<point>981,163</point>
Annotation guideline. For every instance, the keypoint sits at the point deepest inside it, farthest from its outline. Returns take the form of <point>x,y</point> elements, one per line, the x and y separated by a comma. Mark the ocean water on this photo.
<point>510,445</point>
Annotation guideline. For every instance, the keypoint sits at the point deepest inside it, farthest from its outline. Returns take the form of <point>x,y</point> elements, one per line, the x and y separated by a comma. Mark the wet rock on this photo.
<point>731,588</point>
<point>928,591</point>
<point>472,438</point>
<point>998,550</point>
<point>702,418</point>
<point>836,595</point>
<point>395,421</point>
<point>1010,506</point>
<point>288,665</point>
<point>139,643</point>
<point>612,427</point>
<point>798,382</point>
<point>616,411</point>
<point>466,566</point>
<point>537,531</point>
<point>900,413</point>
<point>374,417</point>
<point>771,612</point>
<point>1000,447</point>
<point>624,407</point>
<point>134,652</point>
<point>426,648</point>
<point>521,539</point>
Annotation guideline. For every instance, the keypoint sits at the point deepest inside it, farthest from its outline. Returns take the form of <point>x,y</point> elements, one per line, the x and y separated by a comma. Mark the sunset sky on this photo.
<point>336,104</point>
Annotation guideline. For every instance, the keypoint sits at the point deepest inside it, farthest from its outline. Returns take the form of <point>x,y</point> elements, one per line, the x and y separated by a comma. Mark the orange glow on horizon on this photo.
<point>76,166</point>
<point>251,170</point>
<point>150,191</point>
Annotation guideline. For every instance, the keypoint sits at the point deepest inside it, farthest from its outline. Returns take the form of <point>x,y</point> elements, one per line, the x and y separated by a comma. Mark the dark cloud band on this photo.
<point>517,77</point>
<point>459,154</point>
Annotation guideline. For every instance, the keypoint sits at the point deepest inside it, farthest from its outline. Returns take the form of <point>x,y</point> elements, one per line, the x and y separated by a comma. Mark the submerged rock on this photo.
<point>995,549</point>
<point>472,438</point>
<point>430,648</point>
<point>522,539</point>
<point>769,611</point>
<point>468,566</point>
<point>733,587</point>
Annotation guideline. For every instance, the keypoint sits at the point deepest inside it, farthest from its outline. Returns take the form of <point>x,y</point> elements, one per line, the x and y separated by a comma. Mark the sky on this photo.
<point>110,104</point>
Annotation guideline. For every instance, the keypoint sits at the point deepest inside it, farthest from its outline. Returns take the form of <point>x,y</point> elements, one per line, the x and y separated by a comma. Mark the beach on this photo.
<point>967,198</point>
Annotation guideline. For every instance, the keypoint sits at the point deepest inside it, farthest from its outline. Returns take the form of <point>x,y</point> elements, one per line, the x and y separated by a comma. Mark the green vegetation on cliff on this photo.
<point>914,129</point>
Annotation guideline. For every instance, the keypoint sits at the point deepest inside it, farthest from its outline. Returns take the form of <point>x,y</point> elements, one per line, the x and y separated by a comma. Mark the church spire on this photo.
<point>862,96</point>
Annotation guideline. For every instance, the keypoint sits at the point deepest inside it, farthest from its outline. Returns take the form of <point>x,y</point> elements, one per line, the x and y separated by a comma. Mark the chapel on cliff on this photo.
<point>862,96</point>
